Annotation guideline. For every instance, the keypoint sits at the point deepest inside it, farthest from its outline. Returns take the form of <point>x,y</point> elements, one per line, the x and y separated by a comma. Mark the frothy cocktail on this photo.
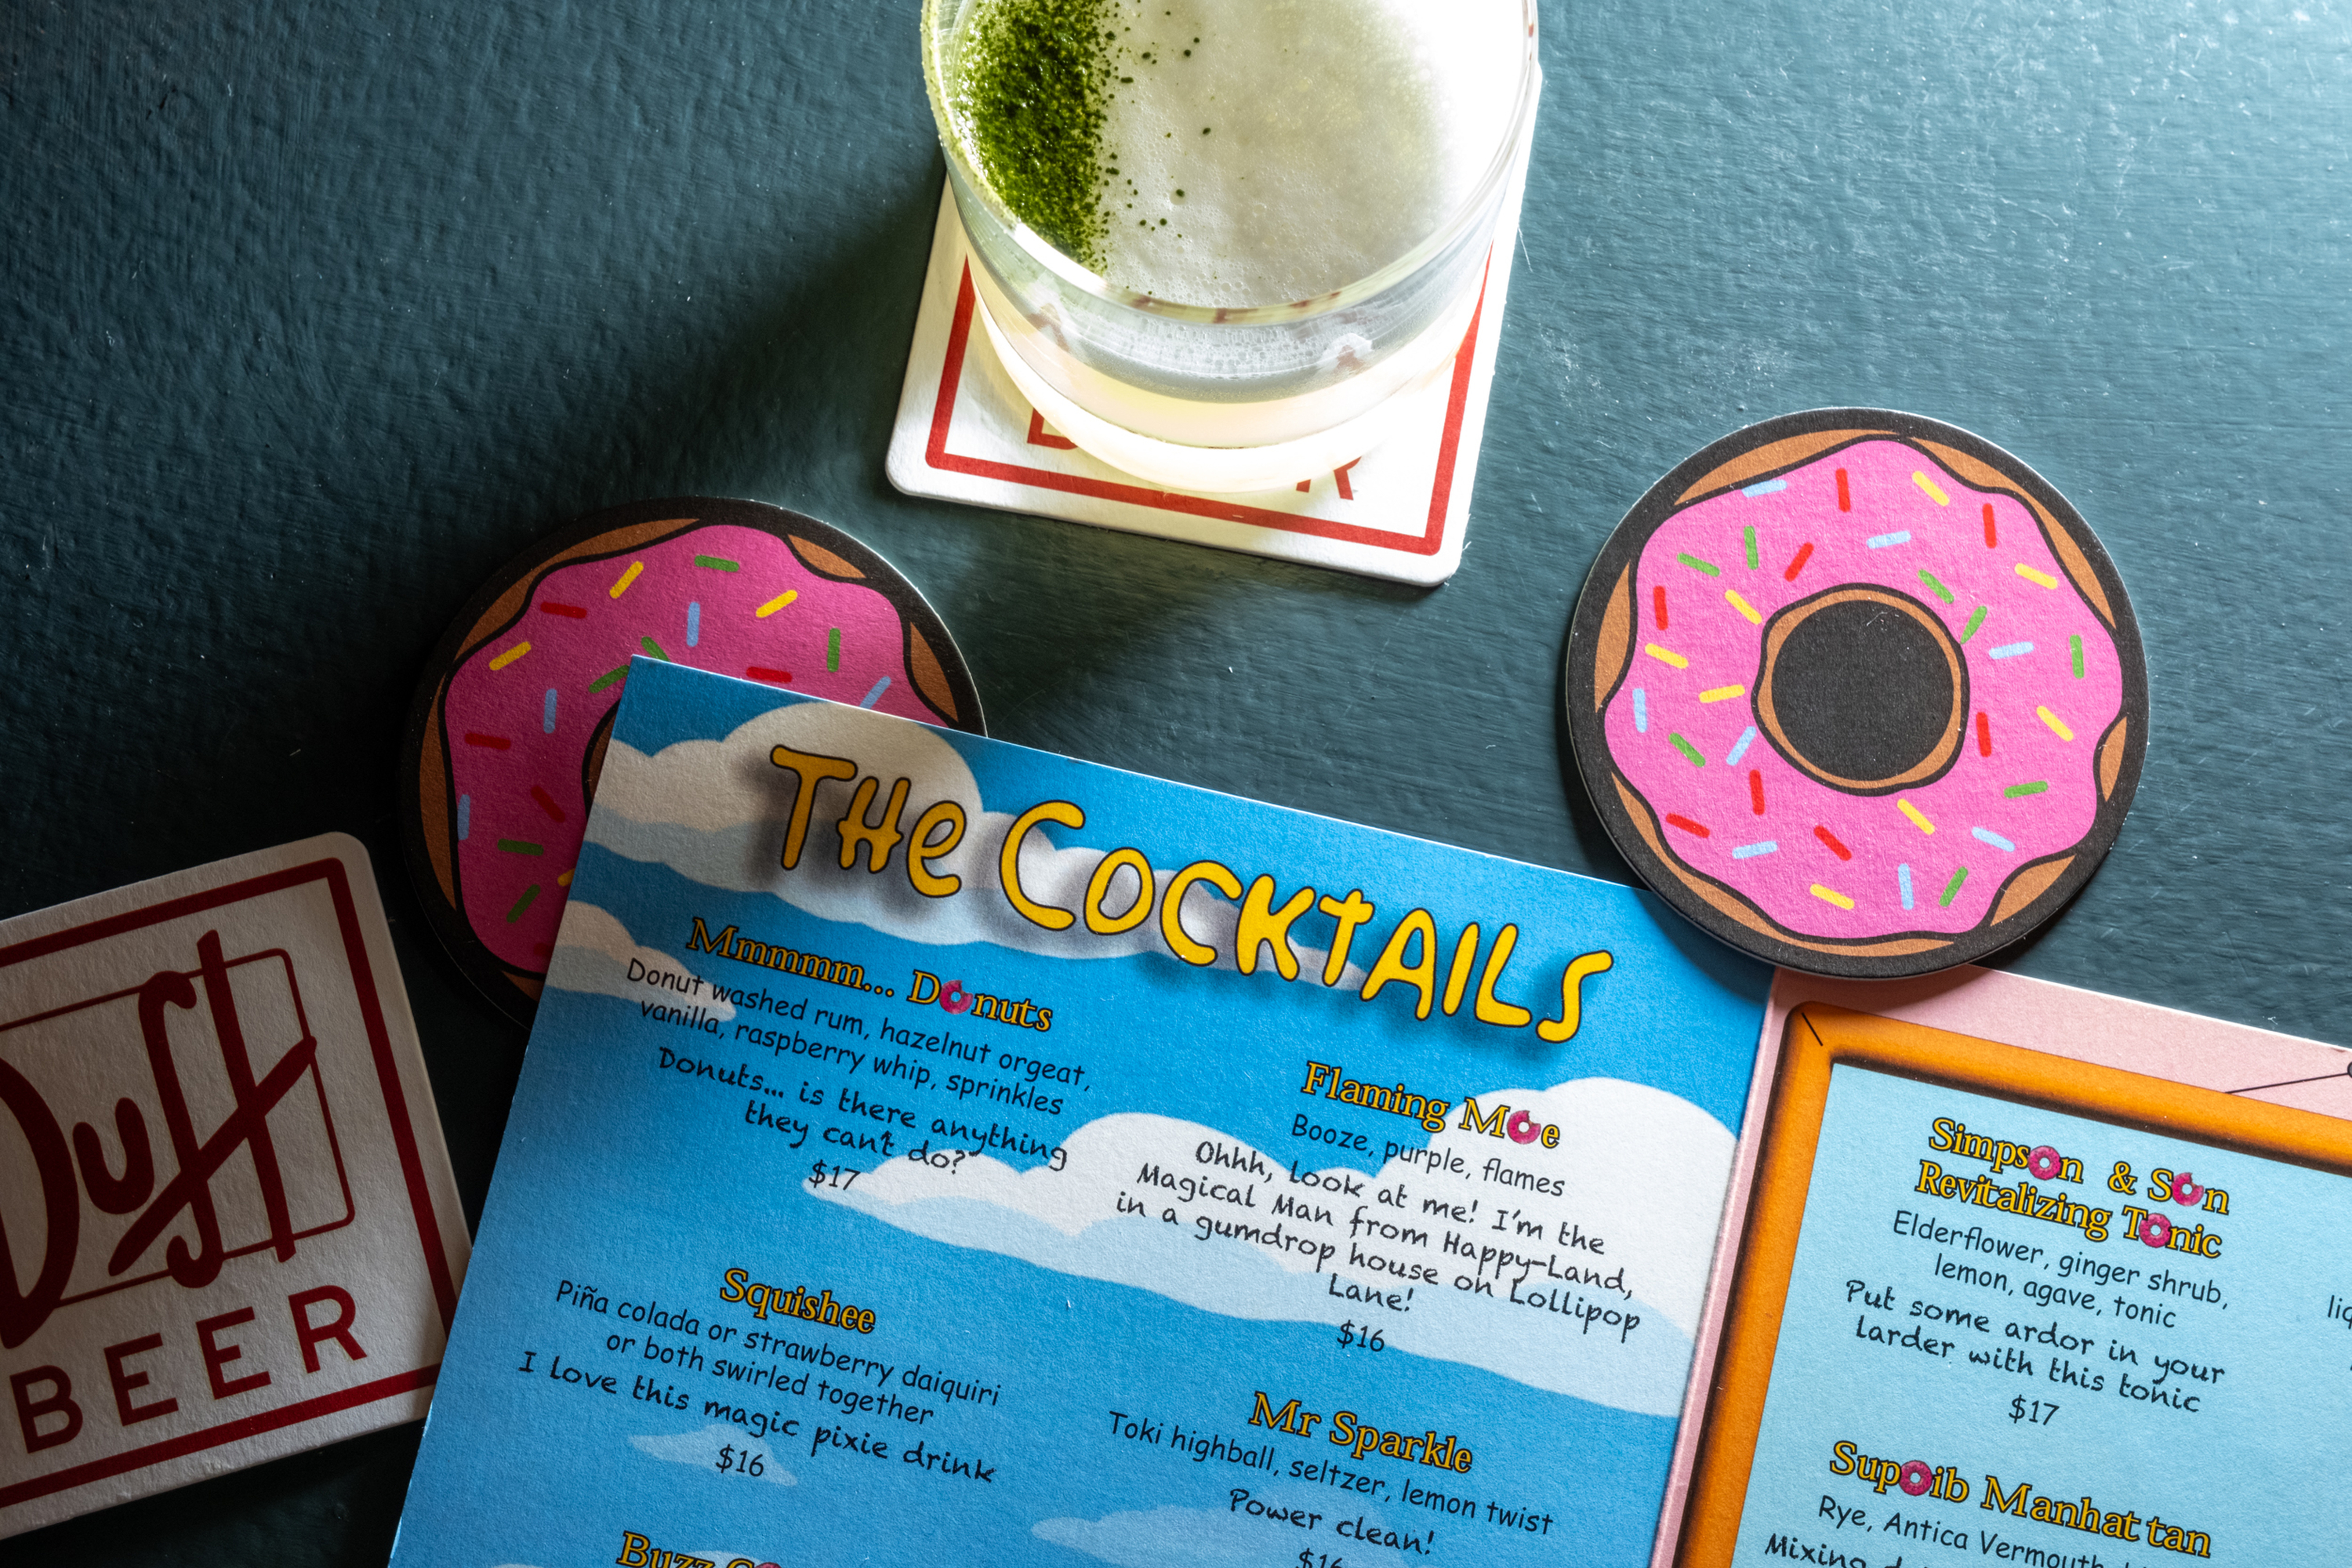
<point>1225,215</point>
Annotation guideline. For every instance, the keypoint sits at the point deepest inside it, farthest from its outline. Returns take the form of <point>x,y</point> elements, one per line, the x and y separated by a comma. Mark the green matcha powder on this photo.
<point>1036,75</point>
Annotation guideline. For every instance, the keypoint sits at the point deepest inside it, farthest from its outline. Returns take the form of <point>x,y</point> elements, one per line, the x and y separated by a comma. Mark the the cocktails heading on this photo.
<point>1413,954</point>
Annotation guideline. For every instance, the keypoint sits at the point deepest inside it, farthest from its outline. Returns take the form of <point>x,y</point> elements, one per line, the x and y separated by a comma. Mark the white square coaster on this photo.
<point>965,433</point>
<point>228,1209</point>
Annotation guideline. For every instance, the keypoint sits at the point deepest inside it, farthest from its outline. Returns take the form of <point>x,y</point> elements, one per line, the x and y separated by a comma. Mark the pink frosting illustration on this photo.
<point>526,707</point>
<point>1863,695</point>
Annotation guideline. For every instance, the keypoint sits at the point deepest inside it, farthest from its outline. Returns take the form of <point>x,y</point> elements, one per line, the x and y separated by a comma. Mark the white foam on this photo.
<point>1340,134</point>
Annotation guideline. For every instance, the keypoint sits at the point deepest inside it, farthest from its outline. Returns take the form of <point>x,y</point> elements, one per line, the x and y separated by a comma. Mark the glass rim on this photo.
<point>1083,279</point>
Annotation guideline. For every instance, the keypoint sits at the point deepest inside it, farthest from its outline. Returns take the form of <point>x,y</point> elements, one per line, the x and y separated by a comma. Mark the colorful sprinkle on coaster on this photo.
<point>503,750</point>
<point>1853,555</point>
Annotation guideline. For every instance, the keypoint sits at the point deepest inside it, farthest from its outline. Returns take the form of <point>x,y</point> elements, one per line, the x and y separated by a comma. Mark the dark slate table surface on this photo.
<point>315,314</point>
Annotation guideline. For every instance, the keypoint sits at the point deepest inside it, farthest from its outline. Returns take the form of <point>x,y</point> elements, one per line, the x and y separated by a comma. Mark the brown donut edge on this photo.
<point>2027,885</point>
<point>2112,747</point>
<point>818,559</point>
<point>931,676</point>
<point>1612,648</point>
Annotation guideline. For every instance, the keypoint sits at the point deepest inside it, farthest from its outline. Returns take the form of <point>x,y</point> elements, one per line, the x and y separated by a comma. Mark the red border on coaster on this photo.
<point>937,454</point>
<point>187,1443</point>
<point>403,1136</point>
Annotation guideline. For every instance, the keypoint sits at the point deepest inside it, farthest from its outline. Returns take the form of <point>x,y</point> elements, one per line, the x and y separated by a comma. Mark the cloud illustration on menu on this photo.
<point>1577,1268</point>
<point>595,952</point>
<point>715,1446</point>
<point>719,812</point>
<point>1164,1538</point>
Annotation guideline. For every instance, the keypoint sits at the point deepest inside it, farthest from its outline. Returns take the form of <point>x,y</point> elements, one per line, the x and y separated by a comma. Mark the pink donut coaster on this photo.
<point>1859,693</point>
<point>508,728</point>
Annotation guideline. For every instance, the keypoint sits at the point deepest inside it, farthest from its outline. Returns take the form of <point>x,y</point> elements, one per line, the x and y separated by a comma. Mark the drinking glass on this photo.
<point>1201,396</point>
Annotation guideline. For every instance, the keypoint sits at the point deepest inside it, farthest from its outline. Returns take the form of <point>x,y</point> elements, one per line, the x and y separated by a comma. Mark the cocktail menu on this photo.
<point>2023,1273</point>
<point>934,1151</point>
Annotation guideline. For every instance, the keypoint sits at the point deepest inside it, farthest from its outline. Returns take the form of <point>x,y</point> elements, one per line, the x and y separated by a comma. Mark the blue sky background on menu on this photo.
<point>646,1185</point>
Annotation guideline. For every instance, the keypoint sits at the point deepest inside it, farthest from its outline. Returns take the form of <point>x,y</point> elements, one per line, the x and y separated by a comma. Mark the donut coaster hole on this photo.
<point>1862,688</point>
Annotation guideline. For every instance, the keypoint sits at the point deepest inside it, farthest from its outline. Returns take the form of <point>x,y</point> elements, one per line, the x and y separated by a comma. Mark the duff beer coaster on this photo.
<point>1858,692</point>
<point>227,1227</point>
<point>965,433</point>
<point>508,728</point>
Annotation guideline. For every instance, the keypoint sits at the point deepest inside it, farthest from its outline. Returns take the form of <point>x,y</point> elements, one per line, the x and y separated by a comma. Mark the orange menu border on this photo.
<point>1821,1037</point>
